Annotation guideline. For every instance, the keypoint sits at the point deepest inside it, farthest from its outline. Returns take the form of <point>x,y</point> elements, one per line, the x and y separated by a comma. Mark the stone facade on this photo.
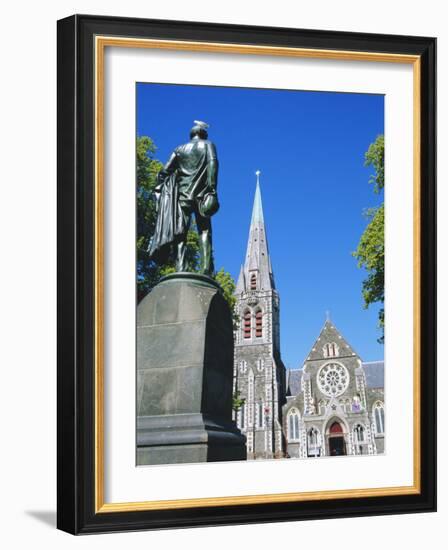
<point>333,405</point>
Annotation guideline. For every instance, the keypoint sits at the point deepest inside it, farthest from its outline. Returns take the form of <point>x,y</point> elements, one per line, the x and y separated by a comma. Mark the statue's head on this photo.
<point>199,129</point>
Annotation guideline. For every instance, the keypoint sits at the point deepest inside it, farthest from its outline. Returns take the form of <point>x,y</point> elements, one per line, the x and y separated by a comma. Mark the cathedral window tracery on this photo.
<point>359,433</point>
<point>293,425</point>
<point>333,379</point>
<point>359,438</point>
<point>331,350</point>
<point>378,417</point>
<point>313,443</point>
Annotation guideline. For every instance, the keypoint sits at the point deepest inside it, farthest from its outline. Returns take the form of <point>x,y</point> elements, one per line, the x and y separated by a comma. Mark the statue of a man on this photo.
<point>187,185</point>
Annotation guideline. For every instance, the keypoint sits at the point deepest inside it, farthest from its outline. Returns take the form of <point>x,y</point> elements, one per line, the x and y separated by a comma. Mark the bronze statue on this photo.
<point>187,185</point>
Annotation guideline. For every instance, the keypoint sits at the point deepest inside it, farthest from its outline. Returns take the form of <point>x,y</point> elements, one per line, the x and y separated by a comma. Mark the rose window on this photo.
<point>333,379</point>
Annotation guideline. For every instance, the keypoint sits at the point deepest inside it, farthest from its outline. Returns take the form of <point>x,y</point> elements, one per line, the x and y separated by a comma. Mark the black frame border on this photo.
<point>76,262</point>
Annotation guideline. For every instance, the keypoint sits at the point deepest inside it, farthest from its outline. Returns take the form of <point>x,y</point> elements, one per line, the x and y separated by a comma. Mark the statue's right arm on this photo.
<point>167,170</point>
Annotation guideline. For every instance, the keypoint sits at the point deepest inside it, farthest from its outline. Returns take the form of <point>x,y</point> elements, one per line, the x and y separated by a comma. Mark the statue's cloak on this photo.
<point>170,221</point>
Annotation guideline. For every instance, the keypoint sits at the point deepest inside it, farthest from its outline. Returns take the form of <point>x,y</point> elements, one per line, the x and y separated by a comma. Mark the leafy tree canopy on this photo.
<point>370,250</point>
<point>374,156</point>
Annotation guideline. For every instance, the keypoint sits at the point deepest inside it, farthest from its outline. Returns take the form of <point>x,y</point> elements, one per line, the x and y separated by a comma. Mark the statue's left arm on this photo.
<point>212,167</point>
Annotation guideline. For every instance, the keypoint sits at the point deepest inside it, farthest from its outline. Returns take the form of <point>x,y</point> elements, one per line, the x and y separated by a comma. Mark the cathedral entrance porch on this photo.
<point>336,441</point>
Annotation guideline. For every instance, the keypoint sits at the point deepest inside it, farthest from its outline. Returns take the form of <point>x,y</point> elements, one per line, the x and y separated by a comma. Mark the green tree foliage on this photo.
<point>226,282</point>
<point>149,272</point>
<point>147,169</point>
<point>370,251</point>
<point>375,157</point>
<point>237,401</point>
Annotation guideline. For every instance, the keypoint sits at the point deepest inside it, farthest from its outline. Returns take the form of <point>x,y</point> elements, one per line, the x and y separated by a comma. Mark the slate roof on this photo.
<point>374,374</point>
<point>293,383</point>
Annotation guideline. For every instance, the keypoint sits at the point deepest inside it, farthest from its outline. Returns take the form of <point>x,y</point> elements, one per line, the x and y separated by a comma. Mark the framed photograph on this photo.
<point>246,274</point>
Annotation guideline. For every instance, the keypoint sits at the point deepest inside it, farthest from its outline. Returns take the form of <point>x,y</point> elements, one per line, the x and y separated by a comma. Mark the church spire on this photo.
<point>256,273</point>
<point>257,211</point>
<point>259,370</point>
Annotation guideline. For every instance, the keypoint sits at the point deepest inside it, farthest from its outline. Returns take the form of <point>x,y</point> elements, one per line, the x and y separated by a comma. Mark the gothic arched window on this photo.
<point>293,425</point>
<point>359,433</point>
<point>378,417</point>
<point>331,350</point>
<point>359,439</point>
<point>253,281</point>
<point>313,442</point>
<point>247,324</point>
<point>259,324</point>
<point>243,367</point>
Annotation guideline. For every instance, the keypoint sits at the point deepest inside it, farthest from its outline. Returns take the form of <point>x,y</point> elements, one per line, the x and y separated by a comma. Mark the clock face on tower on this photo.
<point>333,379</point>
<point>252,300</point>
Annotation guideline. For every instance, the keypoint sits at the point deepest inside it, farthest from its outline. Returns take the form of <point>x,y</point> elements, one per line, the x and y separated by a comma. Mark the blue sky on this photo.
<point>310,149</point>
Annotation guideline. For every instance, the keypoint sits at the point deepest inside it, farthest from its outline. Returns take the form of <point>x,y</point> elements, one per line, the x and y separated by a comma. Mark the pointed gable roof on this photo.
<point>330,335</point>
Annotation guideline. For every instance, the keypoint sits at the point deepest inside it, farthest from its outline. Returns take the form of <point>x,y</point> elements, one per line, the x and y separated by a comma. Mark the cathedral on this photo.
<point>333,405</point>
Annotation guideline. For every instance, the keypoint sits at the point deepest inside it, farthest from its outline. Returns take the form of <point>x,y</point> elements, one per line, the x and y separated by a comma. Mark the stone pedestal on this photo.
<point>184,374</point>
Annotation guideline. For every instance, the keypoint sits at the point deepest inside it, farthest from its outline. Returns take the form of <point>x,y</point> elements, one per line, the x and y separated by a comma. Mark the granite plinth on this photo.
<point>184,374</point>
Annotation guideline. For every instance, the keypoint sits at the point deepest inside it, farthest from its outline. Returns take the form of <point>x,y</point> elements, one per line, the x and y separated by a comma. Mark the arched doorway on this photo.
<point>336,441</point>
